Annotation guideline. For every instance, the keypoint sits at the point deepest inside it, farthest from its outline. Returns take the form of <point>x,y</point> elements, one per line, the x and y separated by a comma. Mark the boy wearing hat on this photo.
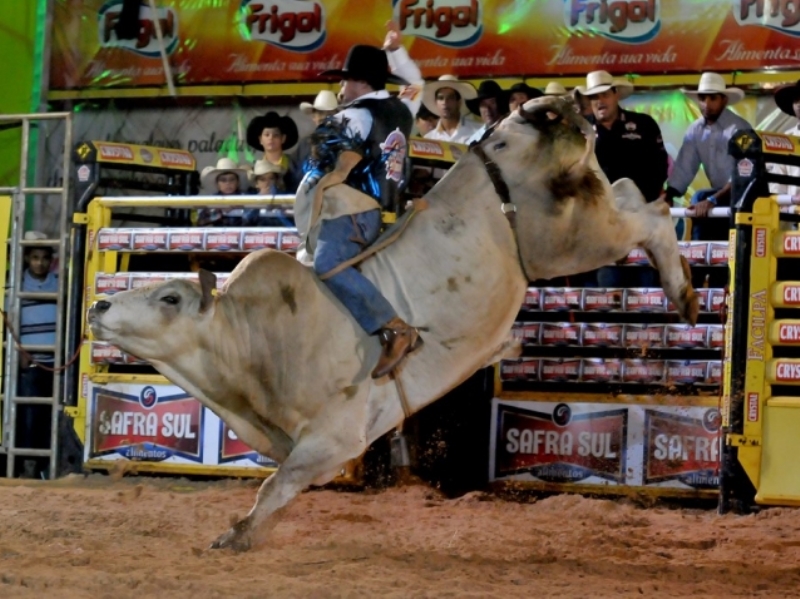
<point>274,134</point>
<point>325,105</point>
<point>706,144</point>
<point>787,99</point>
<point>226,178</point>
<point>361,155</point>
<point>447,98</point>
<point>490,104</point>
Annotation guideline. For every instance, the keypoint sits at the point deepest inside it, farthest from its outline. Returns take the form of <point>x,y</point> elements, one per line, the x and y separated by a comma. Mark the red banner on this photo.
<point>251,41</point>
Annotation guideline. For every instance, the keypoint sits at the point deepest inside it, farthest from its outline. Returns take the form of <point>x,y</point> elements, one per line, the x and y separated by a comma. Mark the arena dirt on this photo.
<point>142,537</point>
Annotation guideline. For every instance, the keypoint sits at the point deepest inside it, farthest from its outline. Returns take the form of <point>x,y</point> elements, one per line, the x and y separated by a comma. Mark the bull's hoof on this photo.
<point>237,538</point>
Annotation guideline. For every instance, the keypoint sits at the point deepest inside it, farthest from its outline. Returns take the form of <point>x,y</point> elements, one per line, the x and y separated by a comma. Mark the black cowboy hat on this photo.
<point>785,97</point>
<point>366,63</point>
<point>525,89</point>
<point>488,89</point>
<point>271,120</point>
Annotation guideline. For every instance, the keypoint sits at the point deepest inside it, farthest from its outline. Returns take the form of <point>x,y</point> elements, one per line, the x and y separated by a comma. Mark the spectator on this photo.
<point>706,144</point>
<point>425,121</point>
<point>447,98</point>
<point>490,104</point>
<point>629,145</point>
<point>268,179</point>
<point>554,88</point>
<point>519,93</point>
<point>37,324</point>
<point>226,178</point>
<point>274,134</point>
<point>325,105</point>
<point>788,100</point>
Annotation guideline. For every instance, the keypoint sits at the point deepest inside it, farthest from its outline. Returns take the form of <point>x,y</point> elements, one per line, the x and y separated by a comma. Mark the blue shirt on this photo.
<point>37,320</point>
<point>707,144</point>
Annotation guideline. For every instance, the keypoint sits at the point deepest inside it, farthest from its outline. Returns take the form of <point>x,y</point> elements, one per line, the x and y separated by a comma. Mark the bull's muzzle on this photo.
<point>97,308</point>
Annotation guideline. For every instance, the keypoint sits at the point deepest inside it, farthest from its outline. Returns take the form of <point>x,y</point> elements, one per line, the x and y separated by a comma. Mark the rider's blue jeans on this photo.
<point>339,240</point>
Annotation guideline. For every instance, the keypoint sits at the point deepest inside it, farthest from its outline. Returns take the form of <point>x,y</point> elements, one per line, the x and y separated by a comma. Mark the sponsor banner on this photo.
<point>637,256</point>
<point>104,353</point>
<point>526,333</point>
<point>152,423</point>
<point>524,369</point>
<point>718,254</point>
<point>645,300</point>
<point>716,336</point>
<point>559,442</point>
<point>186,240</point>
<point>686,336</point>
<point>235,452</point>
<point>786,294</point>
<point>259,239</point>
<point>784,371</point>
<point>429,149</point>
<point>602,335</point>
<point>602,300</point>
<point>562,299</point>
<point>114,239</point>
<point>681,447</point>
<point>784,332</point>
<point>600,370</point>
<point>643,336</point>
<point>132,154</point>
<point>109,284</point>
<point>149,240</point>
<point>686,372</point>
<point>289,241</point>
<point>253,41</point>
<point>696,254</point>
<point>533,299</point>
<point>643,372</point>
<point>560,333</point>
<point>223,240</point>
<point>787,243</point>
<point>560,371</point>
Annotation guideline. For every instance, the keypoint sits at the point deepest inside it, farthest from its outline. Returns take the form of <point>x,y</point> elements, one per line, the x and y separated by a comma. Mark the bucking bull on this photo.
<point>287,367</point>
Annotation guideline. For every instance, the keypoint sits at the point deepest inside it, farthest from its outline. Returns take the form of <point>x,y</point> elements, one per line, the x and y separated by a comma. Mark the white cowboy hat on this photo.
<point>713,83</point>
<point>325,101</point>
<point>554,88</point>
<point>34,236</point>
<point>208,177</point>
<point>464,88</point>
<point>263,167</point>
<point>598,82</point>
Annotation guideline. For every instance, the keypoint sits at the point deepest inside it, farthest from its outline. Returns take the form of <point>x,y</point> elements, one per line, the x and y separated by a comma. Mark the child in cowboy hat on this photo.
<point>226,178</point>
<point>274,134</point>
<point>268,180</point>
<point>325,105</point>
<point>447,98</point>
<point>706,144</point>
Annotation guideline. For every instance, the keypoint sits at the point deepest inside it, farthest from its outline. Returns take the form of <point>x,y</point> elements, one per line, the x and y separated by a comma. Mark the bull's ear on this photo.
<point>208,285</point>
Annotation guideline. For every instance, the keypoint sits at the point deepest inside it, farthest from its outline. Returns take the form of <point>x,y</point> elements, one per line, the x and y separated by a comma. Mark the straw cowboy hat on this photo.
<point>713,83</point>
<point>264,167</point>
<point>554,88</point>
<point>366,63</point>
<point>271,120</point>
<point>786,96</point>
<point>324,102</point>
<point>486,90</point>
<point>466,90</point>
<point>598,82</point>
<point>34,236</point>
<point>208,177</point>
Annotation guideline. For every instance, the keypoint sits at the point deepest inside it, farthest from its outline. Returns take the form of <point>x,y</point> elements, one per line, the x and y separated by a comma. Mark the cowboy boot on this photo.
<point>398,338</point>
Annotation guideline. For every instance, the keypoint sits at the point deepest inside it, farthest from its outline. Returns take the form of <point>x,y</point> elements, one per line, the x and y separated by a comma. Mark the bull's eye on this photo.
<point>498,146</point>
<point>172,300</point>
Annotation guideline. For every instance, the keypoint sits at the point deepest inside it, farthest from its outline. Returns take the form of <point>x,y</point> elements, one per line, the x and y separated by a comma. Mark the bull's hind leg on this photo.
<point>314,460</point>
<point>657,236</point>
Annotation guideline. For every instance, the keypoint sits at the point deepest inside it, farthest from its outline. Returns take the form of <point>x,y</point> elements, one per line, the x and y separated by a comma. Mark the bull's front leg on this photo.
<point>314,460</point>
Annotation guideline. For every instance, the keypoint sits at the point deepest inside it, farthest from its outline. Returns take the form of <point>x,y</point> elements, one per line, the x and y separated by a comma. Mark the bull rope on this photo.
<point>24,352</point>
<point>418,206</point>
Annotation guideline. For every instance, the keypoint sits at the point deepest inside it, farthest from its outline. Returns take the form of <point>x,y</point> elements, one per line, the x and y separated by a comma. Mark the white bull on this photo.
<point>287,367</point>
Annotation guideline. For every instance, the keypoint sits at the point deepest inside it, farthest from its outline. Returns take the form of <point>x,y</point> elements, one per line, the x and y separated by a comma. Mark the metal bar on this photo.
<point>38,348</point>
<point>41,116</point>
<point>9,190</point>
<point>36,295</point>
<point>43,190</point>
<point>201,200</point>
<point>37,401</point>
<point>39,242</point>
<point>28,453</point>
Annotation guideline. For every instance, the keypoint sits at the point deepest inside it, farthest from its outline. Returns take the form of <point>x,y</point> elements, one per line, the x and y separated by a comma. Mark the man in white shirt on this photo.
<point>360,156</point>
<point>447,98</point>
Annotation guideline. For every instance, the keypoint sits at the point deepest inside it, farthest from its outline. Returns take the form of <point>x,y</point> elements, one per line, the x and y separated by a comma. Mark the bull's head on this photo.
<point>156,321</point>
